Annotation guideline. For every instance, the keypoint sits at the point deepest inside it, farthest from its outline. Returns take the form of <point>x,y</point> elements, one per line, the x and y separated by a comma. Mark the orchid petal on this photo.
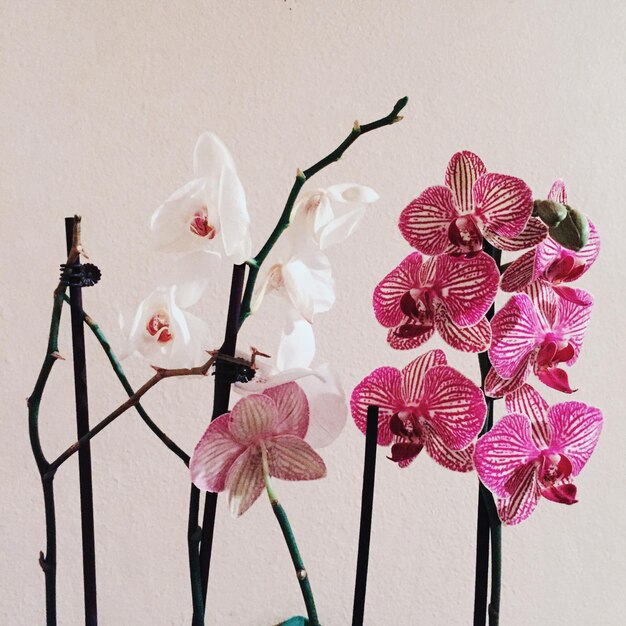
<point>503,203</point>
<point>339,229</point>
<point>245,481</point>
<point>575,428</point>
<point>463,171</point>
<point>292,409</point>
<point>533,234</point>
<point>558,192</point>
<point>210,157</point>
<point>327,406</point>
<point>191,274</point>
<point>467,286</point>
<point>524,497</point>
<point>545,301</point>
<point>515,328</point>
<point>573,319</point>
<point>382,388</point>
<point>504,449</point>
<point>519,273</point>
<point>496,386</point>
<point>297,344</point>
<point>252,418</point>
<point>526,401</point>
<point>476,338</point>
<point>561,494</point>
<point>214,455</point>
<point>309,283</point>
<point>400,342</point>
<point>234,218</point>
<point>454,405</point>
<point>556,378</point>
<point>424,222</point>
<point>413,374</point>
<point>455,460</point>
<point>352,192</point>
<point>291,458</point>
<point>393,287</point>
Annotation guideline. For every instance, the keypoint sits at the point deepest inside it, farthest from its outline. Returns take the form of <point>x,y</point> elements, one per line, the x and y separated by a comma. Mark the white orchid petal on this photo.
<point>323,214</point>
<point>210,157</point>
<point>351,192</point>
<point>263,380</point>
<point>297,344</point>
<point>261,288</point>
<point>341,228</point>
<point>234,217</point>
<point>191,274</point>
<point>309,284</point>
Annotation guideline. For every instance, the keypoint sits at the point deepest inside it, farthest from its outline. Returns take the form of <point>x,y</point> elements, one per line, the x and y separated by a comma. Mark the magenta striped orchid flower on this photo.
<point>270,426</point>
<point>425,405</point>
<point>550,262</point>
<point>539,332</point>
<point>473,204</point>
<point>535,451</point>
<point>450,294</point>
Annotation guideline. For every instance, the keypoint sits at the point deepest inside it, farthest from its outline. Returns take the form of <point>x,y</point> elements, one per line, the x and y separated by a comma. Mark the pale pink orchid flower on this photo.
<point>321,383</point>
<point>208,213</point>
<point>427,405</point>
<point>473,204</point>
<point>329,216</point>
<point>300,273</point>
<point>550,262</point>
<point>535,451</point>
<point>450,294</point>
<point>537,331</point>
<point>265,429</point>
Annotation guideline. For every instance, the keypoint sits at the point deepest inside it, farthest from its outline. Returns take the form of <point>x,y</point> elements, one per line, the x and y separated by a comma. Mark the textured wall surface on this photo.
<point>101,104</point>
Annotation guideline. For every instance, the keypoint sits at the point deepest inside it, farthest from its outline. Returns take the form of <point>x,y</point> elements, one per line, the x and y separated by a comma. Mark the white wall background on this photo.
<point>101,104</point>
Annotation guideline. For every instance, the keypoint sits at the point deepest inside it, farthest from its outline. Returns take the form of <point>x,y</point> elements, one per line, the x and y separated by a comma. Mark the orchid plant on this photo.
<point>534,451</point>
<point>287,407</point>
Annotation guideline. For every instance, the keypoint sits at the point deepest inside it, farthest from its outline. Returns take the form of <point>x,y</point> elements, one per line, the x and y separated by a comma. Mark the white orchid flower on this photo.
<point>209,212</point>
<point>161,329</point>
<point>329,216</point>
<point>300,273</point>
<point>327,402</point>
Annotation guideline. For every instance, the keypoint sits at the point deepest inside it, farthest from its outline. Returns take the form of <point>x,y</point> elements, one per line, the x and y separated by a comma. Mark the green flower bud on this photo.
<point>549,212</point>
<point>572,232</point>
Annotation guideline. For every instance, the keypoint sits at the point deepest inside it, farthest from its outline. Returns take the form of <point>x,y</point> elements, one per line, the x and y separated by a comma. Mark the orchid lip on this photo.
<point>200,226</point>
<point>158,326</point>
<point>464,233</point>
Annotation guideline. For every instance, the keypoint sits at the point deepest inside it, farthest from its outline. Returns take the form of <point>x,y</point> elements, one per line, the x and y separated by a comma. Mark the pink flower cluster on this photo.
<point>448,285</point>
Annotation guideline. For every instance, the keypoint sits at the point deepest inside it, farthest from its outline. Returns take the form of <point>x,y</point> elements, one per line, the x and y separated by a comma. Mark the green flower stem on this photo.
<point>301,177</point>
<point>489,526</point>
<point>119,372</point>
<point>48,561</point>
<point>290,540</point>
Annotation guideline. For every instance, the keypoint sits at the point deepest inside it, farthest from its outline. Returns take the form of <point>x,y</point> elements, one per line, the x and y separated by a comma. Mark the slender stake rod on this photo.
<point>367,503</point>
<point>84,454</point>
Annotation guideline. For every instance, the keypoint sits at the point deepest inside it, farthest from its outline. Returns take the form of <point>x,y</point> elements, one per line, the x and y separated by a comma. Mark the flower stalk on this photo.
<point>290,540</point>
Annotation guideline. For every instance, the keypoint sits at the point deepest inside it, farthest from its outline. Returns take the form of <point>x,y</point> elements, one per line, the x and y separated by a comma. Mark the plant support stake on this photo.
<point>367,502</point>
<point>84,454</point>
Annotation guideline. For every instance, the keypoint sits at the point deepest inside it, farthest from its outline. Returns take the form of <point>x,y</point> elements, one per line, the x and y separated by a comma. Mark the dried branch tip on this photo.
<point>356,127</point>
<point>397,118</point>
<point>57,355</point>
<point>300,174</point>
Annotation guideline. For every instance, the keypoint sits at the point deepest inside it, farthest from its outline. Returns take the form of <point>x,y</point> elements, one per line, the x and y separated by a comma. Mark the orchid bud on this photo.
<point>550,212</point>
<point>573,232</point>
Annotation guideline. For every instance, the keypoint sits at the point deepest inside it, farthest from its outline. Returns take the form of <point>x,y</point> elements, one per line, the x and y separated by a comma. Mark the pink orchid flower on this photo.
<point>535,451</point>
<point>539,331</point>
<point>445,293</point>
<point>268,427</point>
<point>549,261</point>
<point>425,405</point>
<point>473,204</point>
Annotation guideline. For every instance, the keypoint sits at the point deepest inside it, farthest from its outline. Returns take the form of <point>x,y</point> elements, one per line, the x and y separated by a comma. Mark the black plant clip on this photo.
<point>86,275</point>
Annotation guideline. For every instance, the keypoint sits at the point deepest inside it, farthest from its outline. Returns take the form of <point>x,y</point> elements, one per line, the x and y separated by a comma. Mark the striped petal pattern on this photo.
<point>463,171</point>
<point>527,401</point>
<point>455,460</point>
<point>503,203</point>
<point>413,374</point>
<point>291,458</point>
<point>474,339</point>
<point>575,429</point>
<point>519,273</point>
<point>524,496</point>
<point>467,286</point>
<point>515,328</point>
<point>533,234</point>
<point>425,221</point>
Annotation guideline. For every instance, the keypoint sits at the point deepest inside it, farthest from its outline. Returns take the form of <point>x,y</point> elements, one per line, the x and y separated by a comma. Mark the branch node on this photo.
<point>356,127</point>
<point>57,355</point>
<point>300,174</point>
<point>397,118</point>
<point>42,562</point>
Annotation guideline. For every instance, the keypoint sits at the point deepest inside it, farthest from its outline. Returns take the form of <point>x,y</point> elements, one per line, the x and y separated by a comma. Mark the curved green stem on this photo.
<point>301,177</point>
<point>290,540</point>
